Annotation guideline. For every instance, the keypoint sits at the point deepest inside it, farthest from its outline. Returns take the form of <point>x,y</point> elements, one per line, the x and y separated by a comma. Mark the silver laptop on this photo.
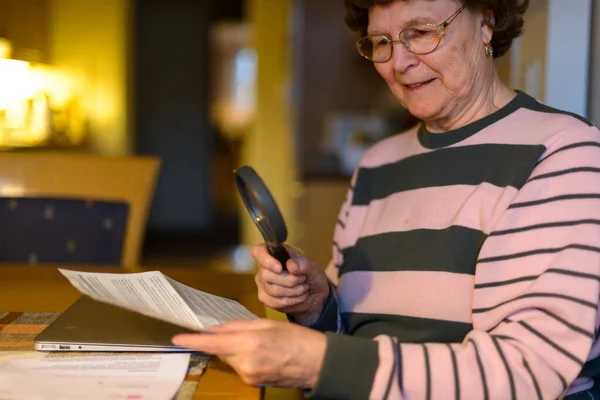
<point>89,325</point>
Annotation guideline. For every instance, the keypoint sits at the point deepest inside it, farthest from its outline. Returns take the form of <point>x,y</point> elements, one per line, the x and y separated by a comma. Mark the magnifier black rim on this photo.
<point>248,179</point>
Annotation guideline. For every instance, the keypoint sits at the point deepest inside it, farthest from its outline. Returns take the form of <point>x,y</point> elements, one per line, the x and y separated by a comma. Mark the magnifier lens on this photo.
<point>264,211</point>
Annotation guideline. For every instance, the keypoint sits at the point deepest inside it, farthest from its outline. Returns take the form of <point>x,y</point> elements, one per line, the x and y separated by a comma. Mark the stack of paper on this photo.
<point>143,377</point>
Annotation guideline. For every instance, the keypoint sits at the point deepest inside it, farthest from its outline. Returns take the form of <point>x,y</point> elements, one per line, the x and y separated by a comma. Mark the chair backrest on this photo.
<point>111,182</point>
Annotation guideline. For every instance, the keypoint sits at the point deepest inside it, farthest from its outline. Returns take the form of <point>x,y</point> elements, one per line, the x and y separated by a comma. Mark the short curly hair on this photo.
<point>507,23</point>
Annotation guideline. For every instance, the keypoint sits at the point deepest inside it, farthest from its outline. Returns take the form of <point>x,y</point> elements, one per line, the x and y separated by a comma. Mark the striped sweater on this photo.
<point>466,264</point>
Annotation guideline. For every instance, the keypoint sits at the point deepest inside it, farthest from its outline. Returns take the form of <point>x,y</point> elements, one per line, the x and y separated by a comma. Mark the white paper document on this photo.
<point>156,295</point>
<point>145,377</point>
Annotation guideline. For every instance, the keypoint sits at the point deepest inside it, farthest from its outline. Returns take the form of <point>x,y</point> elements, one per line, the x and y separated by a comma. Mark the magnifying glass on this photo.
<point>264,211</point>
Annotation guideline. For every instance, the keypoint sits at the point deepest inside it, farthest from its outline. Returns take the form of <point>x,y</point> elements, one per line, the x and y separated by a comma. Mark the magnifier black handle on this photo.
<point>280,253</point>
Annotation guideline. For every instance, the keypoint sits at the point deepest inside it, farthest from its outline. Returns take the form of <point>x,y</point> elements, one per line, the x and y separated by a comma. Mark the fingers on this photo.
<point>240,325</point>
<point>297,265</point>
<point>285,280</point>
<point>218,344</point>
<point>277,291</point>
<point>282,304</point>
<point>264,259</point>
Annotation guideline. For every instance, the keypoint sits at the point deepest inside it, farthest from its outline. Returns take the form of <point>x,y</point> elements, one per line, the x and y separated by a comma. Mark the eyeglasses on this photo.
<point>418,39</point>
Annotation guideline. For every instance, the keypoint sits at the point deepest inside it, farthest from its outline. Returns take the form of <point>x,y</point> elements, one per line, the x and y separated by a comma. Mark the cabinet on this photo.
<point>25,23</point>
<point>319,207</point>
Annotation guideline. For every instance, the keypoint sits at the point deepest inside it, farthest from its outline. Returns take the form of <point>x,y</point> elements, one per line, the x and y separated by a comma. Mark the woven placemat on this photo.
<point>18,329</point>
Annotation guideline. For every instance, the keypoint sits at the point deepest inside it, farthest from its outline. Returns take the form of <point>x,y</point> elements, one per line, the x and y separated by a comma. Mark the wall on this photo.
<point>529,55</point>
<point>268,147</point>
<point>568,47</point>
<point>331,77</point>
<point>171,92</point>
<point>594,98</point>
<point>90,40</point>
<point>550,60</point>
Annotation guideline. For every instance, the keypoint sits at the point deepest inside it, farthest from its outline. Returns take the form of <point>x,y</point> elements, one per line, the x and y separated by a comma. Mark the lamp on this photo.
<point>5,48</point>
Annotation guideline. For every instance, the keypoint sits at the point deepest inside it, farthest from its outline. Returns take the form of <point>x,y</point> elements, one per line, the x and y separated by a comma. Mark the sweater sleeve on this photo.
<point>535,301</point>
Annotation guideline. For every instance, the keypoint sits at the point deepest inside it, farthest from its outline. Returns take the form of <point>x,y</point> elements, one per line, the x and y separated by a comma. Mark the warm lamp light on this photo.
<point>5,48</point>
<point>234,65</point>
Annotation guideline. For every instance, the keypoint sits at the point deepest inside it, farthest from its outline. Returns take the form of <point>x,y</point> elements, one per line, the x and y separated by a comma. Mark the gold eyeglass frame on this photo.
<point>440,30</point>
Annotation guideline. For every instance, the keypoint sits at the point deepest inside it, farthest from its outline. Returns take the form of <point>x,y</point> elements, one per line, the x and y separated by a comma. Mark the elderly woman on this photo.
<point>466,262</point>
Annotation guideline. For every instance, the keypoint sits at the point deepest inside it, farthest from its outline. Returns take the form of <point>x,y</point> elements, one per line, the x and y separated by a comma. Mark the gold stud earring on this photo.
<point>489,50</point>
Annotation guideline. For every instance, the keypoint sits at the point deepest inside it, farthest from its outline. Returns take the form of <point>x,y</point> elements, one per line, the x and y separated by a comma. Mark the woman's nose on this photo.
<point>402,59</point>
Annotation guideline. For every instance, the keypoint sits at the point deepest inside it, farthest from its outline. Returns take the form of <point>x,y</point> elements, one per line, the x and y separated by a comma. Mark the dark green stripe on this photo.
<point>563,381</point>
<point>549,342</point>
<point>564,172</point>
<point>575,328</point>
<point>540,295</point>
<point>435,141</point>
<point>497,164</point>
<point>427,373</point>
<point>348,360</point>
<point>486,395</point>
<point>533,379</point>
<point>558,271</point>
<point>537,106</point>
<point>406,329</point>
<point>511,379</point>
<point>392,372</point>
<point>455,372</point>
<point>570,147</point>
<point>546,225</point>
<point>539,251</point>
<point>566,197</point>
<point>454,249</point>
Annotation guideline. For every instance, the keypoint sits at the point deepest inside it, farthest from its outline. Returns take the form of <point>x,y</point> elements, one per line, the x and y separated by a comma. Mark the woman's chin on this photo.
<point>423,113</point>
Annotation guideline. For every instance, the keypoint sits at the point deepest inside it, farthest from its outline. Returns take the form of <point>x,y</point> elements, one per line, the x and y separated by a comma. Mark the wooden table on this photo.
<point>27,288</point>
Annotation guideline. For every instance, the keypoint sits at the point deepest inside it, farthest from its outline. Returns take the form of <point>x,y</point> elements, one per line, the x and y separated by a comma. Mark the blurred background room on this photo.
<point>189,90</point>
<point>206,86</point>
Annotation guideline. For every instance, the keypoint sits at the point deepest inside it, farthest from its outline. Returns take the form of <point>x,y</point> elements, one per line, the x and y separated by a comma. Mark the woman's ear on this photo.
<point>487,26</point>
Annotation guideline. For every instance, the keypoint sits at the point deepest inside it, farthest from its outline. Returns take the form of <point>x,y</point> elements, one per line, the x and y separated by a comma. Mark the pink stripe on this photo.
<point>524,387</point>
<point>393,149</point>
<point>582,156</point>
<point>478,207</point>
<point>490,319</point>
<point>570,340</point>
<point>496,372</point>
<point>440,364</point>
<point>578,133</point>
<point>525,127</point>
<point>551,238</point>
<point>547,213</point>
<point>575,183</point>
<point>468,373</point>
<point>571,259</point>
<point>353,226</point>
<point>385,368</point>
<point>437,295</point>
<point>413,371</point>
<point>536,347</point>
<point>547,283</point>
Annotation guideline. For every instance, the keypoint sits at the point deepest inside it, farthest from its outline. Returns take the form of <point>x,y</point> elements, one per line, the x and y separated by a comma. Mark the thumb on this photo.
<point>293,251</point>
<point>301,266</point>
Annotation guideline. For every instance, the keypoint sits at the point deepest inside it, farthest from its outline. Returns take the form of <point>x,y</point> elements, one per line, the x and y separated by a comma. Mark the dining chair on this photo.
<point>61,207</point>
